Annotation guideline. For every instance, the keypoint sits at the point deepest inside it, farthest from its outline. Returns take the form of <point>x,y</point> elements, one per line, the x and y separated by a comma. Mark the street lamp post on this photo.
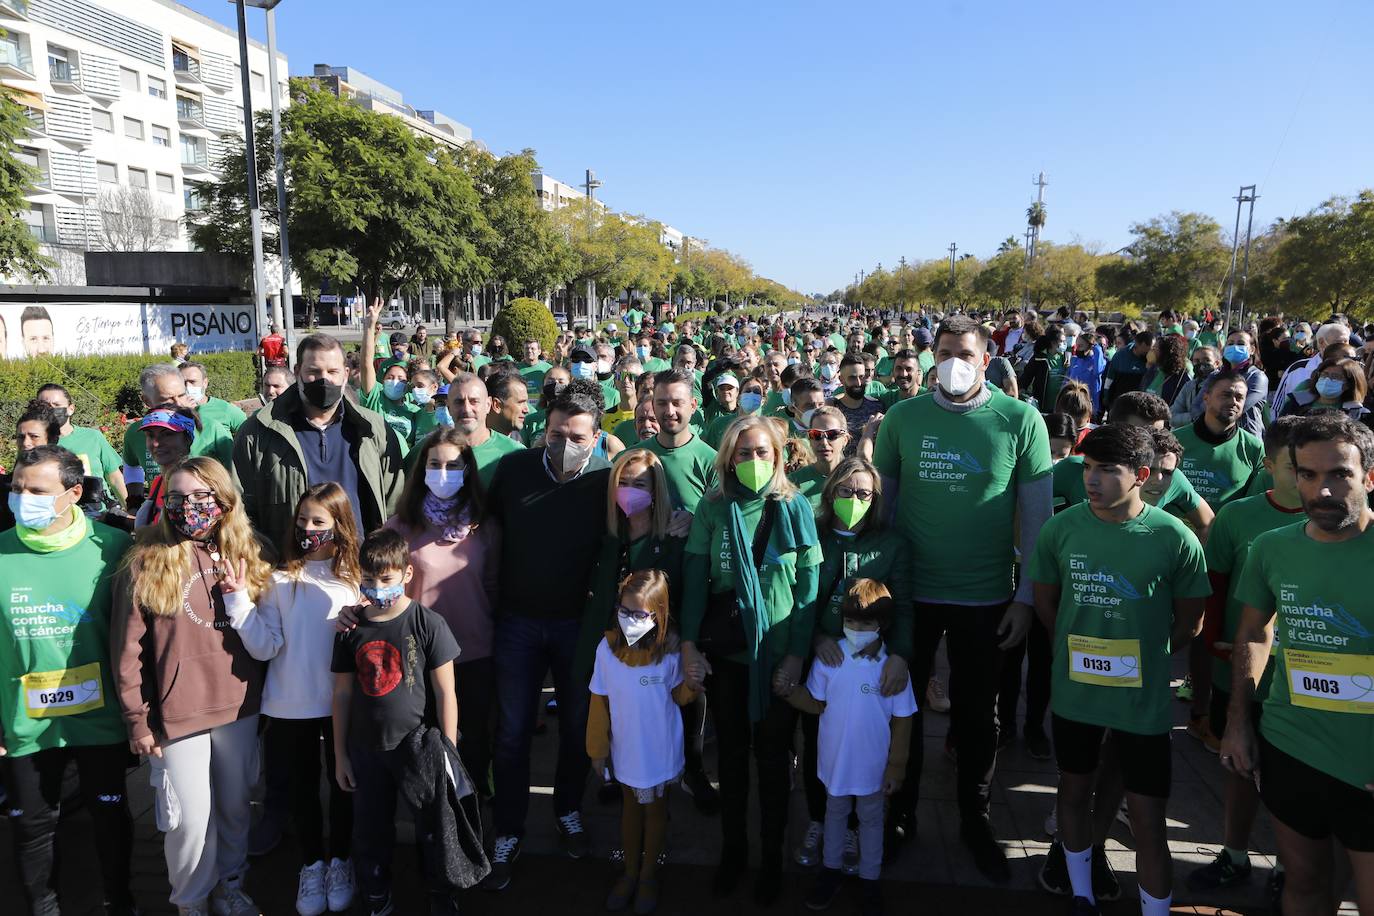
<point>254,204</point>
<point>288,304</point>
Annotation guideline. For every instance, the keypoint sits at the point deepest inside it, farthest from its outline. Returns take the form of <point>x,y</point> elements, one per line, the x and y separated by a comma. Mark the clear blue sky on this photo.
<point>818,138</point>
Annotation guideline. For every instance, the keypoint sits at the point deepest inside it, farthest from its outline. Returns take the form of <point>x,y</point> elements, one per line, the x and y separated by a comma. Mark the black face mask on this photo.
<point>321,393</point>
<point>551,389</point>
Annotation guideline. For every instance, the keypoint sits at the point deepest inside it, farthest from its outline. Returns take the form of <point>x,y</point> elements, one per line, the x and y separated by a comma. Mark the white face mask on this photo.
<point>860,639</point>
<point>956,376</point>
<point>442,482</point>
<point>195,392</point>
<point>634,628</point>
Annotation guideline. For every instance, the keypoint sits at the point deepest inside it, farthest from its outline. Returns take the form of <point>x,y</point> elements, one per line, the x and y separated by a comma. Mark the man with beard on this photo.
<point>853,401</point>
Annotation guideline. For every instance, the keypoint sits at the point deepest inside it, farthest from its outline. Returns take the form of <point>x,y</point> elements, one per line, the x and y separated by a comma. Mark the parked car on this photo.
<point>396,318</point>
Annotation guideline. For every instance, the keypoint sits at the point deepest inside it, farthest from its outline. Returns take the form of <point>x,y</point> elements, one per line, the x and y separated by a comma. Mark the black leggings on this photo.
<point>300,740</point>
<point>771,740</point>
<point>34,783</point>
<point>1036,649</point>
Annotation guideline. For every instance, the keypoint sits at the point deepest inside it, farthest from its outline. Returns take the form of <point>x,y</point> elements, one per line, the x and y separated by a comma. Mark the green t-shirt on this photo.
<point>213,440</point>
<point>626,432</point>
<point>926,360</point>
<point>535,421</point>
<point>1228,545</point>
<point>55,643</point>
<point>1179,498</point>
<point>810,481</point>
<point>884,367</point>
<point>715,430</point>
<point>489,453</point>
<point>958,475</point>
<point>477,362</point>
<point>399,415</point>
<point>609,395</point>
<point>1219,473</point>
<point>634,318</point>
<point>534,377</point>
<point>690,470</point>
<point>656,364</point>
<point>892,396</point>
<point>875,389</point>
<point>883,555</point>
<point>97,456</point>
<point>1116,611</point>
<point>1320,708</point>
<point>218,410</point>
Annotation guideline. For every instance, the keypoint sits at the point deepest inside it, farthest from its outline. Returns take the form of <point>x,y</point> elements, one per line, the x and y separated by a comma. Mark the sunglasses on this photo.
<point>830,435</point>
<point>844,492</point>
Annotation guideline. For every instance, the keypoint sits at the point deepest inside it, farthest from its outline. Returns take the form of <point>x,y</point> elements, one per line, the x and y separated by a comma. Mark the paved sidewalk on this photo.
<point>933,876</point>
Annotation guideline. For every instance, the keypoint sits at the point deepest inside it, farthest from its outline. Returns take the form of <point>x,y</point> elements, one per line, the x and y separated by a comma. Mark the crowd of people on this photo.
<point>355,586</point>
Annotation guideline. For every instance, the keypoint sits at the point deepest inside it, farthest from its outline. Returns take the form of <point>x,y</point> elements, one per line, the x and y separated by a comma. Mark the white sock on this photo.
<point>1154,906</point>
<point>1081,873</point>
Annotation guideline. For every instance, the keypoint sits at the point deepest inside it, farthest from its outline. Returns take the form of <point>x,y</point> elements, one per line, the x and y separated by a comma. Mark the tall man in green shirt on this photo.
<point>688,462</point>
<point>97,456</point>
<point>1119,584</point>
<point>468,405</point>
<point>962,464</point>
<point>1219,457</point>
<point>59,706</point>
<point>211,409</point>
<point>1305,588</point>
<point>533,367</point>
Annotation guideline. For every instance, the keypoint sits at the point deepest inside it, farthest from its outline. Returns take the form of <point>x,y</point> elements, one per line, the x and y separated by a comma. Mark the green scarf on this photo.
<point>69,536</point>
<point>754,609</point>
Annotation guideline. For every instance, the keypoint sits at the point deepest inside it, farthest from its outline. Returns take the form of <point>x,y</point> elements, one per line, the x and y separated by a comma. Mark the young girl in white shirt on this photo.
<point>864,741</point>
<point>293,627</point>
<point>637,685</point>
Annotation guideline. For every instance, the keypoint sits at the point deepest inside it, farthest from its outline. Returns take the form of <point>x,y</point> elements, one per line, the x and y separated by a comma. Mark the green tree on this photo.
<point>1325,261</point>
<point>1175,262</point>
<point>19,252</point>
<point>222,223</point>
<point>1065,275</point>
<point>1002,280</point>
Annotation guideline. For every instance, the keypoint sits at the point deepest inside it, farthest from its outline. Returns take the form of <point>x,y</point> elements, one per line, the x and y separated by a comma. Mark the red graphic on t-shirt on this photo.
<point>379,667</point>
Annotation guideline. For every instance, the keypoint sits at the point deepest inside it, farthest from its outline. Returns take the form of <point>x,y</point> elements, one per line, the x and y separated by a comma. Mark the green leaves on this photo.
<point>1324,261</point>
<point>19,253</point>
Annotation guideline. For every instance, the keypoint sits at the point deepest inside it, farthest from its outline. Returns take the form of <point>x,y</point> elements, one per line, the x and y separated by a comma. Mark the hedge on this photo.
<point>105,388</point>
<point>525,319</point>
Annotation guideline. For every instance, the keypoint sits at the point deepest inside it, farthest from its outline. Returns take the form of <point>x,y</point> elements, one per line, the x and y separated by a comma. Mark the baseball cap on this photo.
<point>582,354</point>
<point>923,337</point>
<point>169,419</point>
<point>725,378</point>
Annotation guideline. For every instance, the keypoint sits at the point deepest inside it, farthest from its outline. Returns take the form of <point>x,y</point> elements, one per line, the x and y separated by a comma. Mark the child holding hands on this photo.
<point>864,741</point>
<point>636,685</point>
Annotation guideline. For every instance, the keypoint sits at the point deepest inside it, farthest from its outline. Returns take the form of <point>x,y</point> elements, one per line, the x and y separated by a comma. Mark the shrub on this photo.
<point>525,319</point>
<point>105,388</point>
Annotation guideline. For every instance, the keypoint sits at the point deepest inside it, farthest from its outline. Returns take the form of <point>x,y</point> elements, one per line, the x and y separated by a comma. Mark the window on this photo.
<point>193,151</point>
<point>161,136</point>
<point>59,65</point>
<point>106,172</point>
<point>259,81</point>
<point>128,79</point>
<point>166,184</point>
<point>133,128</point>
<point>138,178</point>
<point>157,88</point>
<point>190,196</point>
<point>238,111</point>
<point>170,226</point>
<point>102,120</point>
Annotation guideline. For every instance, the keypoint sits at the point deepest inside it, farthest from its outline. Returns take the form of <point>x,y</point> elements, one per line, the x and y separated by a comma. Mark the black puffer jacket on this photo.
<point>448,825</point>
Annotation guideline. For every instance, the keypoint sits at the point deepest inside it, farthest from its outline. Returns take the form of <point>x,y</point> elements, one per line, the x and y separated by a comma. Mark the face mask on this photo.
<point>750,401</point>
<point>806,417</point>
<point>394,388</point>
<point>196,521</point>
<point>792,361</point>
<point>398,353</point>
<point>633,500</point>
<point>786,395</point>
<point>476,349</point>
<point>442,417</point>
<point>603,367</point>
<point>1236,354</point>
<point>860,639</point>
<point>828,371</point>
<point>568,456</point>
<point>1300,337</point>
<point>1190,334</point>
<point>643,352</point>
<point>443,482</point>
<point>321,394</point>
<point>33,511</point>
<point>583,370</point>
<point>421,396</point>
<point>850,510</point>
<point>754,473</point>
<point>311,541</point>
<point>383,596</point>
<point>195,392</point>
<point>634,628</point>
<point>1330,387</point>
<point>956,376</point>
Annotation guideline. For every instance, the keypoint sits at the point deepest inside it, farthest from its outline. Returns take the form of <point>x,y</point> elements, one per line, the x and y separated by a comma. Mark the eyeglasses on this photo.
<point>844,492</point>
<point>195,498</point>
<point>632,612</point>
<point>830,435</point>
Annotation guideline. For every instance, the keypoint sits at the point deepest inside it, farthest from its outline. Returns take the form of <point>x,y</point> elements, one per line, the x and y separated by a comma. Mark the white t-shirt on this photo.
<point>856,731</point>
<point>293,626</point>
<point>646,725</point>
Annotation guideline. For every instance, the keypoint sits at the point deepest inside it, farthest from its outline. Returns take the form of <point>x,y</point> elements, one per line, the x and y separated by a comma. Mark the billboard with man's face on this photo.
<point>38,329</point>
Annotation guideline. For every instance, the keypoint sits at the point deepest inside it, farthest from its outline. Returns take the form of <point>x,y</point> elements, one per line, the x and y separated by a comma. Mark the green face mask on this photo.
<point>754,473</point>
<point>850,510</point>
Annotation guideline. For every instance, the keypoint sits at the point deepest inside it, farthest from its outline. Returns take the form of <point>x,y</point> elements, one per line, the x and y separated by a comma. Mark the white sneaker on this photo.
<point>228,899</point>
<point>849,861</point>
<point>936,698</point>
<point>338,885</point>
<point>195,909</point>
<point>809,852</point>
<point>310,898</point>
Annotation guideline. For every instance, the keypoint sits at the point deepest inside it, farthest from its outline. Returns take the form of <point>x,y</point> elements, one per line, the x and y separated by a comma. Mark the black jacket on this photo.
<point>448,824</point>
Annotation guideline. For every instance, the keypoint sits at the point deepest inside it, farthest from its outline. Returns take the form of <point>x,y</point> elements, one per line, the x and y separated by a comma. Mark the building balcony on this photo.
<point>186,69</point>
<point>190,114</point>
<point>15,62</point>
<point>45,234</point>
<point>38,124</point>
<point>64,74</point>
<point>14,9</point>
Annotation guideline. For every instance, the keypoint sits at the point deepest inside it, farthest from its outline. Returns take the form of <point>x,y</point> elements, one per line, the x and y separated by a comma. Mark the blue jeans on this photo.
<point>525,649</point>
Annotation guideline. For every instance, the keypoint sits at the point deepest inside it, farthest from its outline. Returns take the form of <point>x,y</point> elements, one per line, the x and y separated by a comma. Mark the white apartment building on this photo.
<point>363,90</point>
<point>132,93</point>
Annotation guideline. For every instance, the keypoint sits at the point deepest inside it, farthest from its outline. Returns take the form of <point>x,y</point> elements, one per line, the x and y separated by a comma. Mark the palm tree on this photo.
<point>1010,243</point>
<point>1035,216</point>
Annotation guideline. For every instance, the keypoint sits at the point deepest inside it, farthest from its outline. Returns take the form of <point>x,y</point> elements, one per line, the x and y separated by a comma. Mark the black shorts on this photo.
<point>1221,704</point>
<point>1146,760</point>
<point>1314,803</point>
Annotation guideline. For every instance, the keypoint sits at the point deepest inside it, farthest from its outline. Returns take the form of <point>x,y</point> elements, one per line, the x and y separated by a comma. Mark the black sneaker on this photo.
<point>1105,885</point>
<point>572,837</point>
<point>825,889</point>
<point>1218,873</point>
<point>768,881</point>
<point>504,852</point>
<point>870,898</point>
<point>1054,873</point>
<point>988,856</point>
<point>380,906</point>
<point>1038,746</point>
<point>698,785</point>
<point>1081,907</point>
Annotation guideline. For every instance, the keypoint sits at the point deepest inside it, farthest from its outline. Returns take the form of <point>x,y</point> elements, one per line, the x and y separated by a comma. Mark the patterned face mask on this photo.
<point>195,521</point>
<point>312,541</point>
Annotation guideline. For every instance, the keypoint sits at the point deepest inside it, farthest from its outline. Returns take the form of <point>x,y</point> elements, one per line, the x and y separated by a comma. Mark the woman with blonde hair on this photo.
<point>827,436</point>
<point>188,686</point>
<point>749,589</point>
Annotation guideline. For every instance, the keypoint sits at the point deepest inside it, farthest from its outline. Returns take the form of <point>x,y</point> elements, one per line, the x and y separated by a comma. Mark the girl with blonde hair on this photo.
<point>189,688</point>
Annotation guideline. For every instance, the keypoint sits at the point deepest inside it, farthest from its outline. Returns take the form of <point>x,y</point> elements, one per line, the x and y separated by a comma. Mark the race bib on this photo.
<point>63,693</point>
<point>1331,681</point>
<point>1104,662</point>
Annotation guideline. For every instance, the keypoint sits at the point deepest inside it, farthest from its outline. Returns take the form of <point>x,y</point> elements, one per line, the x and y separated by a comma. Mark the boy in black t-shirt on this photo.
<point>393,673</point>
